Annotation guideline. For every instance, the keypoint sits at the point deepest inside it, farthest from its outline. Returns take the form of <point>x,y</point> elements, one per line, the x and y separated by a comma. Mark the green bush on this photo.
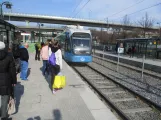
<point>31,47</point>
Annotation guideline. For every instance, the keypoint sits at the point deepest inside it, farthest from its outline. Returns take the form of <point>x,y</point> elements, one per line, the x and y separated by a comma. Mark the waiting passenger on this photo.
<point>116,48</point>
<point>24,57</point>
<point>45,56</point>
<point>37,48</point>
<point>133,50</point>
<point>55,68</point>
<point>42,44</point>
<point>7,79</point>
<point>129,51</point>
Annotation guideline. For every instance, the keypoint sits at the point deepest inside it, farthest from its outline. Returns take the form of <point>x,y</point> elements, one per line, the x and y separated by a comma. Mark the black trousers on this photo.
<point>132,54</point>
<point>37,55</point>
<point>54,71</point>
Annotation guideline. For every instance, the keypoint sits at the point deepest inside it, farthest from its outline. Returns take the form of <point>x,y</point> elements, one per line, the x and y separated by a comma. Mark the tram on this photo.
<point>77,44</point>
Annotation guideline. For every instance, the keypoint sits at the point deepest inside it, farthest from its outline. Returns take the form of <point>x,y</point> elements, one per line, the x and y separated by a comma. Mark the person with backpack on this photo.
<point>45,56</point>
<point>42,44</point>
<point>55,61</point>
<point>16,55</point>
<point>8,79</point>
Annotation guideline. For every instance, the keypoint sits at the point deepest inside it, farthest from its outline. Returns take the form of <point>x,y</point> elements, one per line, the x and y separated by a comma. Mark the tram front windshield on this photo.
<point>81,40</point>
<point>81,43</point>
<point>78,42</point>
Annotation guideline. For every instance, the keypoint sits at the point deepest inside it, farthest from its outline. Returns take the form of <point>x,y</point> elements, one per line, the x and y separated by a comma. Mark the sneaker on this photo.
<point>54,91</point>
<point>43,74</point>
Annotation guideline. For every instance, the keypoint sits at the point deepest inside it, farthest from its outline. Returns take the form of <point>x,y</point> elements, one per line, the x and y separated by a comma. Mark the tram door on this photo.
<point>67,48</point>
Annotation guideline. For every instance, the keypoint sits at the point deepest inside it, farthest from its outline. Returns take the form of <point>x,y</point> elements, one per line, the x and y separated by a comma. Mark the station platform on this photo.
<point>35,101</point>
<point>150,64</point>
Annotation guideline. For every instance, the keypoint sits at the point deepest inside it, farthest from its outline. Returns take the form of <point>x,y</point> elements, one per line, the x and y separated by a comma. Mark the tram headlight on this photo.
<point>76,52</point>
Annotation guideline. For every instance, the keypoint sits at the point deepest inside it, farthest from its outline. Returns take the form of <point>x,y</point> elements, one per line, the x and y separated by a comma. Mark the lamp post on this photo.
<point>159,37</point>
<point>159,29</point>
<point>39,25</point>
<point>8,6</point>
<point>107,29</point>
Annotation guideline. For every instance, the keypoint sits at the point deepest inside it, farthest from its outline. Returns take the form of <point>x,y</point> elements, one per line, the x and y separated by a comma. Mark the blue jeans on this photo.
<point>24,70</point>
<point>45,66</point>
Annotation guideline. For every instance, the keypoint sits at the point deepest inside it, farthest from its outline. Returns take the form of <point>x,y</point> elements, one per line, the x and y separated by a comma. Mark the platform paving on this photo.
<point>35,101</point>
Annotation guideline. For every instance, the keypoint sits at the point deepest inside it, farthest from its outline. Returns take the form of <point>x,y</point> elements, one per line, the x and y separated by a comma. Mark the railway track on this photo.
<point>139,70</point>
<point>125,102</point>
<point>151,79</point>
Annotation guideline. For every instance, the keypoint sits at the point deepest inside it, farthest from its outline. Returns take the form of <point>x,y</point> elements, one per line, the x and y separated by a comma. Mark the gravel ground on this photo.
<point>149,115</point>
<point>123,99</point>
<point>140,88</point>
<point>123,105</point>
<point>131,73</point>
<point>119,95</point>
<point>130,80</point>
<point>112,90</point>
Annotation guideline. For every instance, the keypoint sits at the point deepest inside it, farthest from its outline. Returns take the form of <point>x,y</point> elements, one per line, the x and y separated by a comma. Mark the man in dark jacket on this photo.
<point>7,79</point>
<point>37,48</point>
<point>24,57</point>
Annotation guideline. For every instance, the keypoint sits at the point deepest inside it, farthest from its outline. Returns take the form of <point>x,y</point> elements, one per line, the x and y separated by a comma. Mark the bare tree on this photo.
<point>146,22</point>
<point>126,21</point>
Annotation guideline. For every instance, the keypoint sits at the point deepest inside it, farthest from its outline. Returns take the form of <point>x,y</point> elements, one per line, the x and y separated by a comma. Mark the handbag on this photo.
<point>59,81</point>
<point>11,106</point>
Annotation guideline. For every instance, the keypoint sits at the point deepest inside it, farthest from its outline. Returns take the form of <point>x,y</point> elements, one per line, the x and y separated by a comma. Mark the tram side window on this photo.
<point>67,45</point>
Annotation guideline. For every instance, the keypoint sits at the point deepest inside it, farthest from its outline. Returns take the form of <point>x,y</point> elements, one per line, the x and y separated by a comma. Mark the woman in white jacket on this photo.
<point>55,69</point>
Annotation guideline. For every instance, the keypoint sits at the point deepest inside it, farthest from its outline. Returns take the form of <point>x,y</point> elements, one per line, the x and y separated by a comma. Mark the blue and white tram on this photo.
<point>77,44</point>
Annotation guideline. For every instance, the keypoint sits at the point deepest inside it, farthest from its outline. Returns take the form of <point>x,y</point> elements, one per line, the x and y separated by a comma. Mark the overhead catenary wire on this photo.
<point>126,8</point>
<point>145,8</point>
<point>77,6</point>
<point>82,8</point>
<point>140,10</point>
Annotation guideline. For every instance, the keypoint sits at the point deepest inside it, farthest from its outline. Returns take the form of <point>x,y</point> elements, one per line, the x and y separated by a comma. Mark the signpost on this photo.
<point>103,51</point>
<point>120,50</point>
<point>142,72</point>
<point>118,62</point>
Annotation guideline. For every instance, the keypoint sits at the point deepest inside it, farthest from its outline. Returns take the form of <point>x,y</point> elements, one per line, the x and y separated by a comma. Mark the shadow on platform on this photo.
<point>28,72</point>
<point>47,78</point>
<point>35,118</point>
<point>56,116</point>
<point>77,85</point>
<point>18,92</point>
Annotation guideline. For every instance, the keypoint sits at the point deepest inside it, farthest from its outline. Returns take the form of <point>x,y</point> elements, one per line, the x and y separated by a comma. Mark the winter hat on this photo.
<point>2,45</point>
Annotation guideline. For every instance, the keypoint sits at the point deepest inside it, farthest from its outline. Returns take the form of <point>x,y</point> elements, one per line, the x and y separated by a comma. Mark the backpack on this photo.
<point>52,59</point>
<point>16,51</point>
